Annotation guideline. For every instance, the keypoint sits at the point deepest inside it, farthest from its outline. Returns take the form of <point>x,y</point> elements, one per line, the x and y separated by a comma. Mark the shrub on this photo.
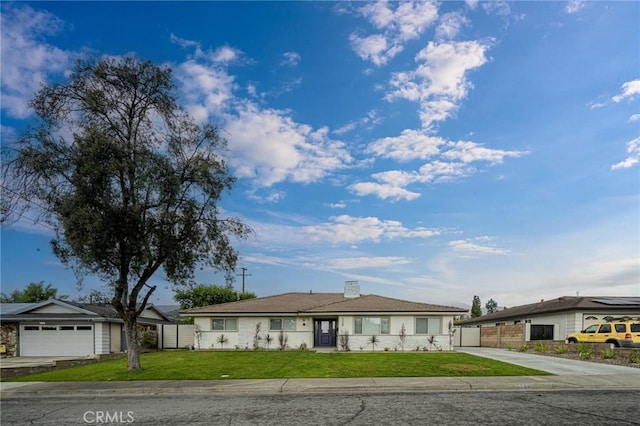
<point>562,349</point>
<point>524,348</point>
<point>635,357</point>
<point>608,354</point>
<point>303,346</point>
<point>584,351</point>
<point>542,347</point>
<point>373,340</point>
<point>222,339</point>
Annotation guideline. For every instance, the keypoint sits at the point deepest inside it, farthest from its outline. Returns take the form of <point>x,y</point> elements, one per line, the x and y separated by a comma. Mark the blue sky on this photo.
<point>431,151</point>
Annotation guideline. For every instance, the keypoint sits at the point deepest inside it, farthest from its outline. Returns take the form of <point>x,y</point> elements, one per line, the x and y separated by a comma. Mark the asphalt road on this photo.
<point>419,408</point>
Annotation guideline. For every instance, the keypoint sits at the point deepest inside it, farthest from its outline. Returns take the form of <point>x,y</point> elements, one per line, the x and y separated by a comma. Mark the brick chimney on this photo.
<point>351,289</point>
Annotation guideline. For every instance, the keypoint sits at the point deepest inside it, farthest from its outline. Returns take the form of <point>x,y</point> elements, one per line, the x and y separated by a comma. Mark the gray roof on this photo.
<point>318,303</point>
<point>565,303</point>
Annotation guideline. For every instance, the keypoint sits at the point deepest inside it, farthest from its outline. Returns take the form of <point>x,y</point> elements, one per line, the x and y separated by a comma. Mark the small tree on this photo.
<point>257,337</point>
<point>476,309</point>
<point>222,339</point>
<point>343,341</point>
<point>128,181</point>
<point>373,340</point>
<point>267,340</point>
<point>403,336</point>
<point>491,306</point>
<point>283,339</point>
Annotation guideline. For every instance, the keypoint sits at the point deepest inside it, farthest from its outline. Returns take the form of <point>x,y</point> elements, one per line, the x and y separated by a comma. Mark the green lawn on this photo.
<point>208,365</point>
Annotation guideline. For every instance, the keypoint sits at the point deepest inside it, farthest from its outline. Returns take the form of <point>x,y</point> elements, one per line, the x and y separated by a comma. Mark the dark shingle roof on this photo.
<point>291,303</point>
<point>565,303</point>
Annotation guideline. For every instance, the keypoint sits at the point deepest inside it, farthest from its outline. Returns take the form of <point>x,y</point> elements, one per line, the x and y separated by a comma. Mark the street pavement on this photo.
<point>568,375</point>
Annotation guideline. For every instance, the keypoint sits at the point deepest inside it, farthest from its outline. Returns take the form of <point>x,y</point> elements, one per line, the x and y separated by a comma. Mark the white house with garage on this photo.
<point>325,320</point>
<point>62,328</point>
<point>554,319</point>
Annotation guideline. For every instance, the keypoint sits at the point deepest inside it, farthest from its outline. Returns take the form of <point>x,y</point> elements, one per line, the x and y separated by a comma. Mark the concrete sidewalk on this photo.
<point>320,386</point>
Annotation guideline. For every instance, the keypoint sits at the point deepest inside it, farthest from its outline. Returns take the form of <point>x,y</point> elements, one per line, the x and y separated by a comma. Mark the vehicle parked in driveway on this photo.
<point>622,333</point>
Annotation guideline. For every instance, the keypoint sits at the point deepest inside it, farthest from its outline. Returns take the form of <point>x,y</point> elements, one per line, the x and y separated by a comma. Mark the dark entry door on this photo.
<point>325,330</point>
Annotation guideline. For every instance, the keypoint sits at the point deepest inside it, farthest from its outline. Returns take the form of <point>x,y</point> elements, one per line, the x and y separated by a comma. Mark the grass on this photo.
<point>210,365</point>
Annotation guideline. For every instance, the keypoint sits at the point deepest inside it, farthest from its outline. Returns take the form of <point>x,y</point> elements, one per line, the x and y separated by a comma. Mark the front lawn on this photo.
<point>208,365</point>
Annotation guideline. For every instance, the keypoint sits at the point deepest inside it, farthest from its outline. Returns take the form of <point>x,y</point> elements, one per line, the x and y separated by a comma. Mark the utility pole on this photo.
<point>244,274</point>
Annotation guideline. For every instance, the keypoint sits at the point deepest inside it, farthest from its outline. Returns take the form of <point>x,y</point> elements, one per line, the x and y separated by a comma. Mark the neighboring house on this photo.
<point>322,320</point>
<point>63,328</point>
<point>554,319</point>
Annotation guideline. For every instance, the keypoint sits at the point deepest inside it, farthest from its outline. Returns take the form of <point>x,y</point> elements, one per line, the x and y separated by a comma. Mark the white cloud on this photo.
<point>468,152</point>
<point>634,117</point>
<point>349,229</point>
<point>338,205</point>
<point>225,55</point>
<point>269,147</point>
<point>407,22</point>
<point>450,25</point>
<point>26,62</point>
<point>383,191</point>
<point>366,262</point>
<point>207,90</point>
<point>472,247</point>
<point>633,148</point>
<point>411,144</point>
<point>574,6</point>
<point>375,48</point>
<point>440,81</point>
<point>291,59</point>
<point>629,90</point>
<point>472,4</point>
<point>500,8</point>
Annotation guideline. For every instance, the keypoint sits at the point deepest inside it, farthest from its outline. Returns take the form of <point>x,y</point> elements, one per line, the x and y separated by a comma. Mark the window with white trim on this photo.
<point>371,325</point>
<point>282,324</point>
<point>224,324</point>
<point>429,325</point>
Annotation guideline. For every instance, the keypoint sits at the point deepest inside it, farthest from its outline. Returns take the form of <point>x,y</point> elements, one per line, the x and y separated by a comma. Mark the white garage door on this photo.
<point>56,340</point>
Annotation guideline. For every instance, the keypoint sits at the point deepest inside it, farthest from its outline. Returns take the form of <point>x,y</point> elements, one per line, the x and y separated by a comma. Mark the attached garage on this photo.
<point>56,340</point>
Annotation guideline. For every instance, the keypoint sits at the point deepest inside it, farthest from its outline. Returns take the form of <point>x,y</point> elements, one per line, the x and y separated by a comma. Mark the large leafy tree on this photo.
<point>205,295</point>
<point>128,181</point>
<point>34,292</point>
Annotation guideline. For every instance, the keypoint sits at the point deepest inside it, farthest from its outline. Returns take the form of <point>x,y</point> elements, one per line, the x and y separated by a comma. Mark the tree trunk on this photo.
<point>133,350</point>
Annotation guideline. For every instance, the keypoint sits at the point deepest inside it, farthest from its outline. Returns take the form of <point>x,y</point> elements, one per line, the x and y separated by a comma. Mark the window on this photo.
<point>285,324</point>
<point>591,328</point>
<point>428,326</point>
<point>541,332</point>
<point>371,325</point>
<point>31,327</point>
<point>66,328</point>
<point>635,328</point>
<point>605,328</point>
<point>224,324</point>
<point>620,328</point>
<point>49,327</point>
<point>83,327</point>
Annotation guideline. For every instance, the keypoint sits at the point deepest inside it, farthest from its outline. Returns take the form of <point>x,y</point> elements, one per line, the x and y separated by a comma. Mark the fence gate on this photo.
<point>176,336</point>
<point>466,336</point>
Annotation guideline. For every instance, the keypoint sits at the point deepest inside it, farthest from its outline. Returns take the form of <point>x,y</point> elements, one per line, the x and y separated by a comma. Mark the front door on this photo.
<point>325,332</point>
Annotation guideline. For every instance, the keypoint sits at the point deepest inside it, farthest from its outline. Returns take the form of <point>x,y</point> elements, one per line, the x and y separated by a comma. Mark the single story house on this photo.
<point>63,328</point>
<point>554,319</point>
<point>345,321</point>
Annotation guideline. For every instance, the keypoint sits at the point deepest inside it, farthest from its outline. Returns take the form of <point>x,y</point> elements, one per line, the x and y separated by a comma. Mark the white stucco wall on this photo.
<point>244,335</point>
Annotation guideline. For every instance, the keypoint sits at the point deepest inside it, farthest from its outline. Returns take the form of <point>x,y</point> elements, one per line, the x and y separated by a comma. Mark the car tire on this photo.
<point>614,343</point>
<point>572,340</point>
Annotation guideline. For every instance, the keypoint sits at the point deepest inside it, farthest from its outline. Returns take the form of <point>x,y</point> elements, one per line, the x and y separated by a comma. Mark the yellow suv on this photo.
<point>620,333</point>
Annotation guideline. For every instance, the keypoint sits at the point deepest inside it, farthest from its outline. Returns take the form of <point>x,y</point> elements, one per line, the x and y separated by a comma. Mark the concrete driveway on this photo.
<point>558,366</point>
<point>32,361</point>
